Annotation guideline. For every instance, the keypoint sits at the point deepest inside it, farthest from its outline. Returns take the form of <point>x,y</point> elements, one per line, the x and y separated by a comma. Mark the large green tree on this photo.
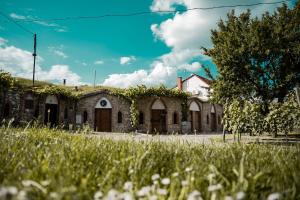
<point>258,59</point>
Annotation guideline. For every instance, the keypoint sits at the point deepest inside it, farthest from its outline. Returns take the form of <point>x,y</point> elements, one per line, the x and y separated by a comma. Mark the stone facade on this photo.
<point>172,105</point>
<point>205,111</point>
<point>24,107</point>
<point>88,103</point>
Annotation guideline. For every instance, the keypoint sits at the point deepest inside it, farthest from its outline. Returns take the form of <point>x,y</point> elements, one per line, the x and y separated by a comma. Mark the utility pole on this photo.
<point>34,56</point>
<point>95,79</point>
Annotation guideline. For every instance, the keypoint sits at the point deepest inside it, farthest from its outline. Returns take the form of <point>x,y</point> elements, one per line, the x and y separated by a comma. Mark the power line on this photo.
<point>149,12</point>
<point>16,23</point>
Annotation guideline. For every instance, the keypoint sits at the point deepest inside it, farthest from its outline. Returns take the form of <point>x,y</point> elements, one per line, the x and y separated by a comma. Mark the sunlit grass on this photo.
<point>39,163</point>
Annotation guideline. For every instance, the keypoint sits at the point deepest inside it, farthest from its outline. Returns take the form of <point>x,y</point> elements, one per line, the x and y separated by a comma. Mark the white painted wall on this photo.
<point>196,87</point>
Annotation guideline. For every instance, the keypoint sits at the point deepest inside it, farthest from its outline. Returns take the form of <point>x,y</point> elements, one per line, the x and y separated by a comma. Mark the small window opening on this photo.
<point>119,117</point>
<point>141,118</point>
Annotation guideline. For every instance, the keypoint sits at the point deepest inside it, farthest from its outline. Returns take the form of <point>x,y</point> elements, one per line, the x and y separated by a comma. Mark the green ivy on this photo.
<point>131,94</point>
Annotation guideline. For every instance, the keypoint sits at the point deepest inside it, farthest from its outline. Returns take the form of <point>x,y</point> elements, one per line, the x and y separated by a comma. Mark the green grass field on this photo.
<point>38,163</point>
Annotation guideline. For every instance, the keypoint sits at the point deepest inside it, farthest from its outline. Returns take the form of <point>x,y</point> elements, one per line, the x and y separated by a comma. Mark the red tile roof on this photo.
<point>205,80</point>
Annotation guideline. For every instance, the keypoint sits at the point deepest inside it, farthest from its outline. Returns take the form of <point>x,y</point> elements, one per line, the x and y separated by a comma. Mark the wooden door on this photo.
<point>51,114</point>
<point>103,120</point>
<point>213,122</point>
<point>158,120</point>
<point>195,121</point>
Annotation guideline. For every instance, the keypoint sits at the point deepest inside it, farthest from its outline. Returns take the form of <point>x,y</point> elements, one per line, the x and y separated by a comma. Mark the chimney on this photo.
<point>179,83</point>
<point>65,81</point>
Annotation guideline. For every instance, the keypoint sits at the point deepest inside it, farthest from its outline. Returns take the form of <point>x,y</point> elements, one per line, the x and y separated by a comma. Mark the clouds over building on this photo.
<point>19,62</point>
<point>184,33</point>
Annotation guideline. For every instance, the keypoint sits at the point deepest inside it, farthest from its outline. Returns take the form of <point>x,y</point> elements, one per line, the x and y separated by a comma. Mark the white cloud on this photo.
<point>127,60</point>
<point>99,62</point>
<point>15,16</point>
<point>3,41</point>
<point>19,63</point>
<point>185,33</point>
<point>57,27</point>
<point>58,51</point>
<point>159,74</point>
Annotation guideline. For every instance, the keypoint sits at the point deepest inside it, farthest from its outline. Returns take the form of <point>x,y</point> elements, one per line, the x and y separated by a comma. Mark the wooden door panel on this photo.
<point>158,120</point>
<point>103,120</point>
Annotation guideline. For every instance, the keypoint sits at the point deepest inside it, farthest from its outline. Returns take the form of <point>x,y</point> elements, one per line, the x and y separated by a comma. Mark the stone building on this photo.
<point>162,114</point>
<point>104,112</point>
<point>203,116</point>
<point>26,106</point>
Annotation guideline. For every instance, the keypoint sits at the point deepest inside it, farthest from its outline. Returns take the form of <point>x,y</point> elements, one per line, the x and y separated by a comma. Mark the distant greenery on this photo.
<point>39,163</point>
<point>257,57</point>
<point>241,116</point>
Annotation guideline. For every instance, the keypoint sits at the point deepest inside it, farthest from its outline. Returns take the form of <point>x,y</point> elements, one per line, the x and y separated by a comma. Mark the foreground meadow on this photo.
<point>38,163</point>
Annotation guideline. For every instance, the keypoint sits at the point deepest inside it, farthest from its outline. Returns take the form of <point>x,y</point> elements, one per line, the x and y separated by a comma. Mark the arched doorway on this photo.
<point>6,111</point>
<point>195,116</point>
<point>158,116</point>
<point>51,110</point>
<point>213,117</point>
<point>103,115</point>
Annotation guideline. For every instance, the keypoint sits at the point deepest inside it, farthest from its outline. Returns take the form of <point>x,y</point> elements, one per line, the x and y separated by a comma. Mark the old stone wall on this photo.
<point>118,104</point>
<point>11,107</point>
<point>172,105</point>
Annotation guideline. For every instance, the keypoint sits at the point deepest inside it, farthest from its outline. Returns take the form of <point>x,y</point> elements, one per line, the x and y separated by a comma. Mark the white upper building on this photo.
<point>196,85</point>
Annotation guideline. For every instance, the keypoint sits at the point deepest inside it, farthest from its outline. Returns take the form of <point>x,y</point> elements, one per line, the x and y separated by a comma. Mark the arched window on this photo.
<point>119,117</point>
<point>207,119</point>
<point>66,113</point>
<point>28,103</point>
<point>175,118</point>
<point>6,112</point>
<point>85,116</point>
<point>141,118</point>
<point>219,119</point>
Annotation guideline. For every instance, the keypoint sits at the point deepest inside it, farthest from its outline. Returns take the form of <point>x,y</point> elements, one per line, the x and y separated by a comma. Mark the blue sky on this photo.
<point>125,51</point>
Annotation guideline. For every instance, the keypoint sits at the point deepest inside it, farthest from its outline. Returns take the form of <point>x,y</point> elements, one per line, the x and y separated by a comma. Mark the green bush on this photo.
<point>242,116</point>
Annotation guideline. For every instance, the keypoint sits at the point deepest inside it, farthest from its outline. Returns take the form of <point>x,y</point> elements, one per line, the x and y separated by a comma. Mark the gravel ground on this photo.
<point>206,138</point>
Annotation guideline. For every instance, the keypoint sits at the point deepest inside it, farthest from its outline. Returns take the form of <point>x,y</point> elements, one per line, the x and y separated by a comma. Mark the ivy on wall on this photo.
<point>131,94</point>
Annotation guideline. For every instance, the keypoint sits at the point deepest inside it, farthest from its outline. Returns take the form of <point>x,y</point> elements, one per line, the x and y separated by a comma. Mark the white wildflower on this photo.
<point>162,192</point>
<point>8,192</point>
<point>30,183</point>
<point>54,195</point>
<point>184,183</point>
<point>126,196</point>
<point>144,191</point>
<point>228,198</point>
<point>165,181</point>
<point>240,195</point>
<point>213,188</point>
<point>195,195</point>
<point>112,195</point>
<point>130,171</point>
<point>175,174</point>
<point>128,186</point>
<point>22,195</point>
<point>98,195</point>
<point>155,177</point>
<point>211,176</point>
<point>188,169</point>
<point>274,196</point>
<point>153,197</point>
<point>45,183</point>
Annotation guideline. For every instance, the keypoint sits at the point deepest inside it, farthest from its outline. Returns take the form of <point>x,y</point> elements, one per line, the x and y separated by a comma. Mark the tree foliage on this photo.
<point>257,58</point>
